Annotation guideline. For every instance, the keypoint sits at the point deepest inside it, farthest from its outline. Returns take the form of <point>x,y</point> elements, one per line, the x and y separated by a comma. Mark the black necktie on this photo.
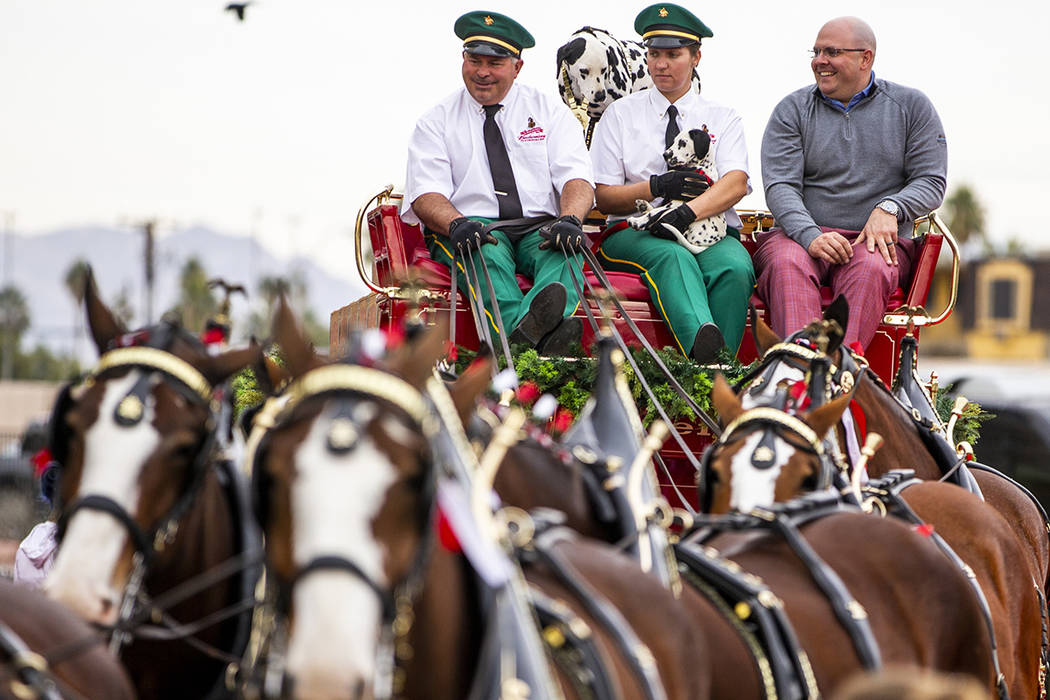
<point>499,164</point>
<point>672,126</point>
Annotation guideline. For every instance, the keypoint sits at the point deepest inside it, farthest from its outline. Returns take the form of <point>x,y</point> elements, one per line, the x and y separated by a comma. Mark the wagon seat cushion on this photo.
<point>436,274</point>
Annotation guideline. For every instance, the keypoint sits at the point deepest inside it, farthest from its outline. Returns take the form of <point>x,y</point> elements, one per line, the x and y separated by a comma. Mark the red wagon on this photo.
<point>397,248</point>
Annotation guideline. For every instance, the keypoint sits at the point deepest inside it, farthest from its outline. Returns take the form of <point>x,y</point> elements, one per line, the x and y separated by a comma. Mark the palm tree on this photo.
<point>14,321</point>
<point>965,215</point>
<point>196,303</point>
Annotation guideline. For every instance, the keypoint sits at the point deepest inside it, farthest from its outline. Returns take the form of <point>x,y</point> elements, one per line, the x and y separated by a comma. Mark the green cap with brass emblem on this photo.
<point>667,26</point>
<point>492,34</point>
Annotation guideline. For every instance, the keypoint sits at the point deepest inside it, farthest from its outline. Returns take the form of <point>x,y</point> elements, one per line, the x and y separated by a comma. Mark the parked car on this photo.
<point>1017,440</point>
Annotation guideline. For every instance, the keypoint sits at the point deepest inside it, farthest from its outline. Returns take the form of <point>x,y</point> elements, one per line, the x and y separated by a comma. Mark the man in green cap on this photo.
<point>498,151</point>
<point>703,296</point>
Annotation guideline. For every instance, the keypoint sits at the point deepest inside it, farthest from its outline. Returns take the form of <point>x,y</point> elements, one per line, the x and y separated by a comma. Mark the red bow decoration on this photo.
<point>925,529</point>
<point>446,535</point>
<point>562,420</point>
<point>40,460</point>
<point>527,393</point>
<point>451,351</point>
<point>798,395</point>
<point>213,336</point>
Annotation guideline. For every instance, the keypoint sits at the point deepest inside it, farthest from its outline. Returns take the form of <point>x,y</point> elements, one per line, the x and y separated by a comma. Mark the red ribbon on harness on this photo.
<point>40,460</point>
<point>799,399</point>
<point>859,419</point>
<point>446,535</point>
<point>924,529</point>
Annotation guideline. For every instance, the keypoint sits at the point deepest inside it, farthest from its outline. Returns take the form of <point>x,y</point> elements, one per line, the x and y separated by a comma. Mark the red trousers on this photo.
<point>789,282</point>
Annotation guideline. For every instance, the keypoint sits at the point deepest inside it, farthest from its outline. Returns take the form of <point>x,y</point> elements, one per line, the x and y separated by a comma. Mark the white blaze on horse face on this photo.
<point>82,577</point>
<point>335,499</point>
<point>754,488</point>
<point>781,371</point>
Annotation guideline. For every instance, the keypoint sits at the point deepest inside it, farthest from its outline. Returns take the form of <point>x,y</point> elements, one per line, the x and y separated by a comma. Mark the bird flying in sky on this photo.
<point>238,9</point>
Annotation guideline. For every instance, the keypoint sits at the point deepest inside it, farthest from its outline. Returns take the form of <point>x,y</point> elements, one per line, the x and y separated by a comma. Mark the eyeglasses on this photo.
<point>829,51</point>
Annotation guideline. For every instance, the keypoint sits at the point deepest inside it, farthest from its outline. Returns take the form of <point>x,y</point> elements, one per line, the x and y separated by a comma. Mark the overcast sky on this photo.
<point>284,124</point>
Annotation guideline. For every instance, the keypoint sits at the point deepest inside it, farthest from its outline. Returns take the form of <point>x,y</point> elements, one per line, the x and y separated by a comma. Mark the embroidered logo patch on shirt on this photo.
<point>532,133</point>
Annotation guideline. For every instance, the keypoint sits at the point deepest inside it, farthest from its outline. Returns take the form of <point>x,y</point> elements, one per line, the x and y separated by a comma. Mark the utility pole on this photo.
<point>148,229</point>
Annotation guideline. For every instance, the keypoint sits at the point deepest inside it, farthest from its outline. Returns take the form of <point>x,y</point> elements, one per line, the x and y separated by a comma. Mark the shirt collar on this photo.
<point>853,100</point>
<point>684,103</point>
<point>507,100</point>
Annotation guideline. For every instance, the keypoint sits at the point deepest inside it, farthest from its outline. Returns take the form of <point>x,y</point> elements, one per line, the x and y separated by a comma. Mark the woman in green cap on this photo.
<point>704,296</point>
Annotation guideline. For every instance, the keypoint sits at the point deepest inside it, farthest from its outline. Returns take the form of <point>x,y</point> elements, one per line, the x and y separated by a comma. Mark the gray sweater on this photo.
<point>824,167</point>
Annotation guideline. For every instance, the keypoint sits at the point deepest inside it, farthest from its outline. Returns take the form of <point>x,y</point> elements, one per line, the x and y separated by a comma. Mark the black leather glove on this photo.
<point>680,217</point>
<point>678,184</point>
<point>566,232</point>
<point>466,234</point>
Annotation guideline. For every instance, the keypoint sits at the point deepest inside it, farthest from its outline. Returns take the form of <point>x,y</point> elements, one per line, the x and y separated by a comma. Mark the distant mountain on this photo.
<point>38,264</point>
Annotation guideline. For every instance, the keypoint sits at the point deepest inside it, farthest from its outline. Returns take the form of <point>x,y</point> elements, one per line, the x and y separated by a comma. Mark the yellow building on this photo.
<point>1002,313</point>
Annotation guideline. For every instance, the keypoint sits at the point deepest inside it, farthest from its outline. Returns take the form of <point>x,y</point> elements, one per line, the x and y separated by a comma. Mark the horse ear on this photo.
<point>102,322</point>
<point>298,353</point>
<point>471,383</point>
<point>415,360</point>
<point>837,311</point>
<point>725,400</point>
<point>269,375</point>
<point>216,369</point>
<point>763,335</point>
<point>823,418</point>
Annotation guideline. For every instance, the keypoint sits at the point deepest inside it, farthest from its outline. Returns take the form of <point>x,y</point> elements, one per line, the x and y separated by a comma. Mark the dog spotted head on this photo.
<point>598,69</point>
<point>688,150</point>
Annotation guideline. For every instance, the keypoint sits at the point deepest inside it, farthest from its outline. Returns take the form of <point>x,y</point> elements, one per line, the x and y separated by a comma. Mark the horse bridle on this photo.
<point>190,383</point>
<point>773,422</point>
<point>798,347</point>
<point>344,381</point>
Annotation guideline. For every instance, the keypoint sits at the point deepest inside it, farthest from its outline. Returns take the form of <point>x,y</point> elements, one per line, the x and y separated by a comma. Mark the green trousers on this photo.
<point>504,259</point>
<point>688,290</point>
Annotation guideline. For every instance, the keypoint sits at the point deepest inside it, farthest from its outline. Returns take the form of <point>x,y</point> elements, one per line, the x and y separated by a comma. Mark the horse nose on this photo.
<point>96,604</point>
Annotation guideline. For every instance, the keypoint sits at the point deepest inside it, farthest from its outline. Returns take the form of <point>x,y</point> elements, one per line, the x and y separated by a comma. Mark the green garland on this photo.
<point>968,426</point>
<point>571,379</point>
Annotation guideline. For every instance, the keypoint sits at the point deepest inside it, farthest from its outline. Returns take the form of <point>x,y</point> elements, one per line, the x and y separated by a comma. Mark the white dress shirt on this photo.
<point>628,143</point>
<point>446,154</point>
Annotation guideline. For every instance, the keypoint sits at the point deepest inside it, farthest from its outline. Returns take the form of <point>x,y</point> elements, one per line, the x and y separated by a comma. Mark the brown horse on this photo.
<point>148,508</point>
<point>535,475</point>
<point>347,480</point>
<point>977,533</point>
<point>46,648</point>
<point>904,447</point>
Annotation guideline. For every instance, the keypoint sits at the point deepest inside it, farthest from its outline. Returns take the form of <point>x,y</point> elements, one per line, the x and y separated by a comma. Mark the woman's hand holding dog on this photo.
<point>680,217</point>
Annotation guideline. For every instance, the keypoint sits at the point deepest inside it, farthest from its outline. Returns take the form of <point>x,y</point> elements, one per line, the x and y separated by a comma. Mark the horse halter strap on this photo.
<point>363,380</point>
<point>158,361</point>
<point>777,418</point>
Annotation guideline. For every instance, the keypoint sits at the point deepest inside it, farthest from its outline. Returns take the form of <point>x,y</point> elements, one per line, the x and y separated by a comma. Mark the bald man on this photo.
<point>847,165</point>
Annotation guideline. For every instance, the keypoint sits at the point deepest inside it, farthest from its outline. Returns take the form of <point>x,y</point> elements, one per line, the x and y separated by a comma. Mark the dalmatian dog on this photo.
<point>689,151</point>
<point>595,68</point>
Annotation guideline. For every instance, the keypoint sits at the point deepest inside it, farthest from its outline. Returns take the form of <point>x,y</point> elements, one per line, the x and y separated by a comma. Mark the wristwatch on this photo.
<point>890,207</point>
